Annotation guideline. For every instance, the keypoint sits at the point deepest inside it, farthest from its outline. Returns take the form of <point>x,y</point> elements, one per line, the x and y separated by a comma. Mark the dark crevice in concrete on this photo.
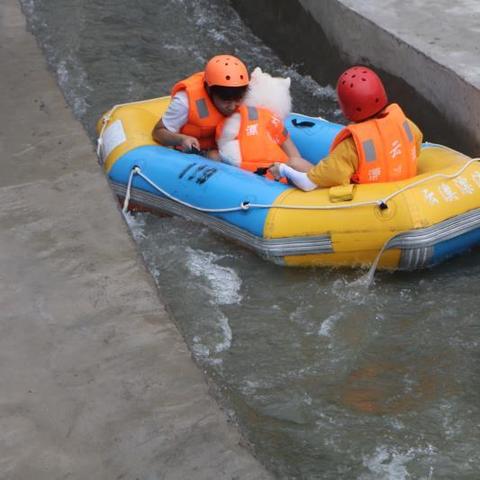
<point>293,33</point>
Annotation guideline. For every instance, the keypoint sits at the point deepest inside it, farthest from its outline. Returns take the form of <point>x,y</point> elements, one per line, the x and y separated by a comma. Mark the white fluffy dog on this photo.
<point>265,91</point>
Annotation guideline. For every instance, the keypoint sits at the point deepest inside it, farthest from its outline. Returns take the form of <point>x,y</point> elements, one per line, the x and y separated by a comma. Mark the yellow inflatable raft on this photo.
<point>418,223</point>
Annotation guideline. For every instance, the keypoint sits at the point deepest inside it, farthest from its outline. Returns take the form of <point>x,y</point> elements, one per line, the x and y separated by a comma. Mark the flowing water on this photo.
<point>326,379</point>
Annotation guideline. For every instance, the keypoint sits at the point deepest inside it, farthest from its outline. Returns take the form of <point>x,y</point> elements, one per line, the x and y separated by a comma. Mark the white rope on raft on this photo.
<point>137,171</point>
<point>247,205</point>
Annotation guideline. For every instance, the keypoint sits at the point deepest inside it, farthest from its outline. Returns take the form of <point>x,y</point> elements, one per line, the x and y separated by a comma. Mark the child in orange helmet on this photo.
<point>200,102</point>
<point>381,144</point>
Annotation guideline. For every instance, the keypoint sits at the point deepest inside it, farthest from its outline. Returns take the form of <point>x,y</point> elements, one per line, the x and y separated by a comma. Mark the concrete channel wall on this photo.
<point>96,381</point>
<point>432,45</point>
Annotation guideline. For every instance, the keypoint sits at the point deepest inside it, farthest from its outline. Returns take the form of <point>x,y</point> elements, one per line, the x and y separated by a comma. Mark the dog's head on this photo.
<point>259,77</point>
<point>269,92</point>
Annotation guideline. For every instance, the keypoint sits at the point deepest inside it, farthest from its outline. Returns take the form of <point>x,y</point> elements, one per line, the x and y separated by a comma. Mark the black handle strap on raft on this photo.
<point>302,124</point>
<point>261,171</point>
<point>193,150</point>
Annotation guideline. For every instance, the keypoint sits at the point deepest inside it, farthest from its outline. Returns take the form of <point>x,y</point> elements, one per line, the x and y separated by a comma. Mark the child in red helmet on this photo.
<point>200,102</point>
<point>381,145</point>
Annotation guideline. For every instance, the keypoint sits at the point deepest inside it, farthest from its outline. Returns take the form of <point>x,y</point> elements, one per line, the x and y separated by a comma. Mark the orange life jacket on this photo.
<point>203,117</point>
<point>260,135</point>
<point>385,145</point>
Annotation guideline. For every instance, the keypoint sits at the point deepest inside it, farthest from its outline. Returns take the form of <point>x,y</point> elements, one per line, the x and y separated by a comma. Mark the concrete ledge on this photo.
<point>422,42</point>
<point>426,51</point>
<point>97,383</point>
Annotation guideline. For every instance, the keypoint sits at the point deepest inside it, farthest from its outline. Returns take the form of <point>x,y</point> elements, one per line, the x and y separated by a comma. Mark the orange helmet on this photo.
<point>226,71</point>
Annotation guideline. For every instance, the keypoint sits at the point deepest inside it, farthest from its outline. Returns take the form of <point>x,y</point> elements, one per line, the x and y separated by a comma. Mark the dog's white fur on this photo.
<point>265,91</point>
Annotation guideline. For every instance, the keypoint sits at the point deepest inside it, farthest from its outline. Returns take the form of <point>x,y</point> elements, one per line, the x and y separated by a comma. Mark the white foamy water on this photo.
<point>211,332</point>
<point>224,282</point>
<point>327,325</point>
<point>215,338</point>
<point>353,292</point>
<point>392,463</point>
<point>223,285</point>
<point>65,79</point>
<point>136,224</point>
<point>227,335</point>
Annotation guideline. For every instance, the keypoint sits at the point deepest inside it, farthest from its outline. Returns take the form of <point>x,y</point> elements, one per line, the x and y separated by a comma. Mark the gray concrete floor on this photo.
<point>96,382</point>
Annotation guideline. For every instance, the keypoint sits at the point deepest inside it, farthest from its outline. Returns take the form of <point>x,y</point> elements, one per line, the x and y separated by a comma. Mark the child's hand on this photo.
<point>275,171</point>
<point>189,143</point>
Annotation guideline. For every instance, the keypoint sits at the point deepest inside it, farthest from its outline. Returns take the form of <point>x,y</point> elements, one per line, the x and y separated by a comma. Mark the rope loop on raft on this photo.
<point>246,205</point>
<point>136,170</point>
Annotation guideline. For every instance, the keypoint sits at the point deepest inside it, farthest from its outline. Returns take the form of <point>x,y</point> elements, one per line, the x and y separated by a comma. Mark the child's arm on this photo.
<point>171,139</point>
<point>295,160</point>
<point>299,179</point>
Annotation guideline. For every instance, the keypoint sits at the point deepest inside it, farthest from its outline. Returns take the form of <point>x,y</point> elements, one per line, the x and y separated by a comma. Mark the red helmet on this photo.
<point>226,71</point>
<point>361,93</point>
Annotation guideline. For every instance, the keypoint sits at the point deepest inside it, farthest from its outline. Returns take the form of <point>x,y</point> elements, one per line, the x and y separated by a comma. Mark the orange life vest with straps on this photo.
<point>386,147</point>
<point>260,135</point>
<point>203,117</point>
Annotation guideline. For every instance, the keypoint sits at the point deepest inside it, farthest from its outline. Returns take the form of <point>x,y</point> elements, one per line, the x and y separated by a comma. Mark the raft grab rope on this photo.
<point>246,205</point>
<point>365,280</point>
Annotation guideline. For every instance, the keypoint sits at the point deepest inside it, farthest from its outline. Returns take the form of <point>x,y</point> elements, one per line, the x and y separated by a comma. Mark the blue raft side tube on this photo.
<point>449,248</point>
<point>312,136</point>
<point>207,184</point>
<point>201,182</point>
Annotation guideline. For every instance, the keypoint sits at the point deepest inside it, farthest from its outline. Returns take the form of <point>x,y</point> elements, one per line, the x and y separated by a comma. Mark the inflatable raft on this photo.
<point>414,223</point>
